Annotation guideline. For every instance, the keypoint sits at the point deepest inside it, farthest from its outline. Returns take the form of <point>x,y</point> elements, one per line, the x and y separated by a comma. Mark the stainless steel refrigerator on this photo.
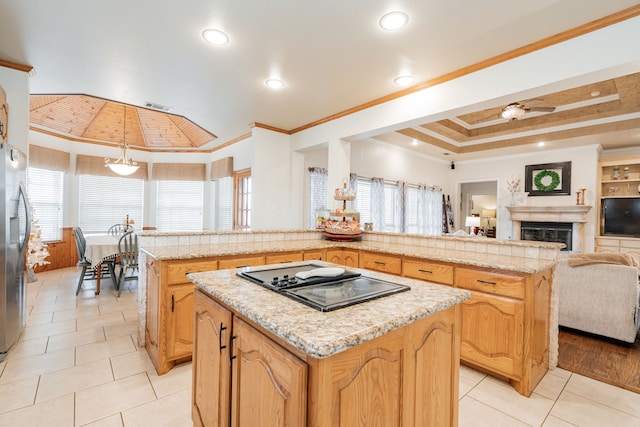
<point>15,214</point>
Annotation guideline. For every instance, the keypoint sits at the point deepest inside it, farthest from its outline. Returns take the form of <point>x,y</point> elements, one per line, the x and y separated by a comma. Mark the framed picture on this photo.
<point>549,179</point>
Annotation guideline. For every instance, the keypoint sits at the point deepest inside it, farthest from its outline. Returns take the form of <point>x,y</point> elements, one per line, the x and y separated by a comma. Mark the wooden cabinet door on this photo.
<point>493,333</point>
<point>381,262</point>
<point>211,363</point>
<point>313,254</point>
<point>179,320</point>
<point>269,384</point>
<point>284,257</point>
<point>335,256</point>
<point>350,258</point>
<point>152,313</point>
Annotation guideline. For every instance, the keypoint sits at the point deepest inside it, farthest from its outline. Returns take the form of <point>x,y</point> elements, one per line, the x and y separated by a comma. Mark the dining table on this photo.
<point>100,248</point>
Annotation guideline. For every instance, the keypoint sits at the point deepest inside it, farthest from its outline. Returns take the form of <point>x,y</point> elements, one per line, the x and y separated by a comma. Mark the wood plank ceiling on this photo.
<point>98,119</point>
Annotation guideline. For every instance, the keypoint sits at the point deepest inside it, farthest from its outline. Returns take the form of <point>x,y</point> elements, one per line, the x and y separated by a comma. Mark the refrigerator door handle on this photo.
<point>27,209</point>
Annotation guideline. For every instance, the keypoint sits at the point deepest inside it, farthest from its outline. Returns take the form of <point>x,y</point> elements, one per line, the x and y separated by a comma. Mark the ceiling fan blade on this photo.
<point>532,101</point>
<point>542,109</point>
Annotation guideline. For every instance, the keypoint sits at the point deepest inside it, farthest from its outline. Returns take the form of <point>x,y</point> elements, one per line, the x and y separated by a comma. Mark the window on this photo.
<point>242,200</point>
<point>224,204</point>
<point>45,188</point>
<point>317,195</point>
<point>179,205</point>
<point>107,200</point>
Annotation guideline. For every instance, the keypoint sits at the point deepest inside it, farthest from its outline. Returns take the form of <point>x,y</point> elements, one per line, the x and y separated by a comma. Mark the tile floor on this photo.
<point>77,364</point>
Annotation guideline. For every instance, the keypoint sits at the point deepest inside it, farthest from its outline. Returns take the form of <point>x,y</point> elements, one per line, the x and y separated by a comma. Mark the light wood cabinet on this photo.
<point>310,255</point>
<point>346,257</point>
<point>240,261</point>
<point>408,377</point>
<point>430,271</point>
<point>241,377</point>
<point>383,263</point>
<point>283,257</point>
<point>505,325</point>
<point>169,310</point>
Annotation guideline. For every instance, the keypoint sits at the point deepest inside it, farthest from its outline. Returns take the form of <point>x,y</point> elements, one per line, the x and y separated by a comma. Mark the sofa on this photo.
<point>599,297</point>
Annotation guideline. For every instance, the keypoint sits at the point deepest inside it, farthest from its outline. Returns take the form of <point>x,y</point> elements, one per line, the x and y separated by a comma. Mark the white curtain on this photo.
<point>377,203</point>
<point>317,194</point>
<point>400,207</point>
<point>430,211</point>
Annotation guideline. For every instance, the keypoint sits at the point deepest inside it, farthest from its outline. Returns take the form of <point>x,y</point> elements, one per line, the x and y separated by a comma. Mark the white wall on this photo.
<point>16,86</point>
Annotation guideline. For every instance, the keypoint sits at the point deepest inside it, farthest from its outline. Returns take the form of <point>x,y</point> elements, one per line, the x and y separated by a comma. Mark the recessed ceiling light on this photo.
<point>274,83</point>
<point>541,144</point>
<point>414,142</point>
<point>403,80</point>
<point>394,20</point>
<point>595,93</point>
<point>216,37</point>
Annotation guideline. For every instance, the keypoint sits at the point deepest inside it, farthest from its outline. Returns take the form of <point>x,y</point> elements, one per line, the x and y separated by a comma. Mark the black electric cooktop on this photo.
<point>327,288</point>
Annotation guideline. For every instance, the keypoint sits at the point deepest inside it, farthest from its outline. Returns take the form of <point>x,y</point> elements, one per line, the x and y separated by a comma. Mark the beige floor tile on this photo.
<point>59,383</point>
<point>130,314</point>
<point>72,339</point>
<point>559,372</point>
<point>49,307</point>
<point>39,319</point>
<point>28,348</point>
<point>130,327</point>
<point>18,394</point>
<point>171,411</point>
<point>104,350</point>
<point>131,363</point>
<point>584,412</point>
<point>56,412</point>
<point>75,313</point>
<point>109,399</point>
<point>472,413</point>
<point>468,380</point>
<point>101,321</point>
<point>112,421</point>
<point>501,396</point>
<point>26,367</point>
<point>552,421</point>
<point>177,379</point>
<point>39,331</point>
<point>551,386</point>
<point>605,394</point>
<point>117,307</point>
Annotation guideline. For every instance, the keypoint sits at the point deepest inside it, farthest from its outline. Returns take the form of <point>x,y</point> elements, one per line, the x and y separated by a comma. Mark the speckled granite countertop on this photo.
<point>466,255</point>
<point>323,334</point>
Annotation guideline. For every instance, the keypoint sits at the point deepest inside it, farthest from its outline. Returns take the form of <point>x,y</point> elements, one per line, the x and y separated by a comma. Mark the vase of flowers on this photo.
<point>518,197</point>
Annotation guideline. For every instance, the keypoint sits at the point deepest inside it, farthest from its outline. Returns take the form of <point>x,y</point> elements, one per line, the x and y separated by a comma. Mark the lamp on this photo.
<point>473,222</point>
<point>512,111</point>
<point>122,166</point>
<point>488,213</point>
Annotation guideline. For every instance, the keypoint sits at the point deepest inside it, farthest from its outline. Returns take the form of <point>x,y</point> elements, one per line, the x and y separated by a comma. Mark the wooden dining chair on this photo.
<point>128,258</point>
<point>107,267</point>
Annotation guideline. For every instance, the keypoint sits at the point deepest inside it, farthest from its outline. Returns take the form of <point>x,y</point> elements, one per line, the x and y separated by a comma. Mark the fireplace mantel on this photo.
<point>573,214</point>
<point>577,215</point>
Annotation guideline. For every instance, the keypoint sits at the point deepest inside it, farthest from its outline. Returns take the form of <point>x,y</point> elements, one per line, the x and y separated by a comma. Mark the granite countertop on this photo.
<point>322,334</point>
<point>465,257</point>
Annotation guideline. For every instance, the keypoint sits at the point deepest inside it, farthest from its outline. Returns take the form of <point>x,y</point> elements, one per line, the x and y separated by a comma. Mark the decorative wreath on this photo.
<point>555,180</point>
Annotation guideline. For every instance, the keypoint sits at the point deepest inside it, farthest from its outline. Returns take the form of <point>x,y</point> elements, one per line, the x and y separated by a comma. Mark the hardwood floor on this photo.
<point>605,360</point>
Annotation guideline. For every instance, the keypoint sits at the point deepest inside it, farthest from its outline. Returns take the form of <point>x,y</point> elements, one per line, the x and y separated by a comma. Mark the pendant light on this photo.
<point>123,166</point>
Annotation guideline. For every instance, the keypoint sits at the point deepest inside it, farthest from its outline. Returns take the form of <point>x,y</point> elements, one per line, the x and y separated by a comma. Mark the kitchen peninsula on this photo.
<point>389,361</point>
<point>509,326</point>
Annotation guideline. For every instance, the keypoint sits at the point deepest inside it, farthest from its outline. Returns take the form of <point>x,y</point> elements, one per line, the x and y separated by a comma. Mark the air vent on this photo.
<point>158,107</point>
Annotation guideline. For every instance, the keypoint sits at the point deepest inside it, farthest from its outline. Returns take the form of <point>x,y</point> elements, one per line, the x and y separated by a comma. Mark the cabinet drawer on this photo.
<point>429,271</point>
<point>284,257</point>
<point>378,262</point>
<point>311,255</point>
<point>235,262</point>
<point>496,283</point>
<point>177,271</point>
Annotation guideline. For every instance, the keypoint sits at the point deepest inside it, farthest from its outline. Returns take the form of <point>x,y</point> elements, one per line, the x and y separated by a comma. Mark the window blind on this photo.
<point>106,200</point>
<point>224,204</point>
<point>45,189</point>
<point>179,205</point>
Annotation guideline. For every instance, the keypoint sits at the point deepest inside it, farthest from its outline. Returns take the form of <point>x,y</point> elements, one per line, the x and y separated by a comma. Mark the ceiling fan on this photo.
<point>515,110</point>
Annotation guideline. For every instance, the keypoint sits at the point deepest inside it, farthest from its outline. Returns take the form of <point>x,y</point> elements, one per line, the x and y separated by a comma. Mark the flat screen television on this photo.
<point>621,216</point>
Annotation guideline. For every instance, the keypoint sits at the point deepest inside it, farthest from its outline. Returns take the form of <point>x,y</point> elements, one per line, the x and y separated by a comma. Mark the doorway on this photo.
<point>480,199</point>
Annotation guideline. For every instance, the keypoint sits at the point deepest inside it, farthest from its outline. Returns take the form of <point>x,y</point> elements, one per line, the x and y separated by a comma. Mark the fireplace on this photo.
<point>558,232</point>
<point>575,216</point>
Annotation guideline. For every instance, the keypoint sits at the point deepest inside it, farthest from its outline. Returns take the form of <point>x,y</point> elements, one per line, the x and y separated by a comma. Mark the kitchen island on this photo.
<point>264,359</point>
